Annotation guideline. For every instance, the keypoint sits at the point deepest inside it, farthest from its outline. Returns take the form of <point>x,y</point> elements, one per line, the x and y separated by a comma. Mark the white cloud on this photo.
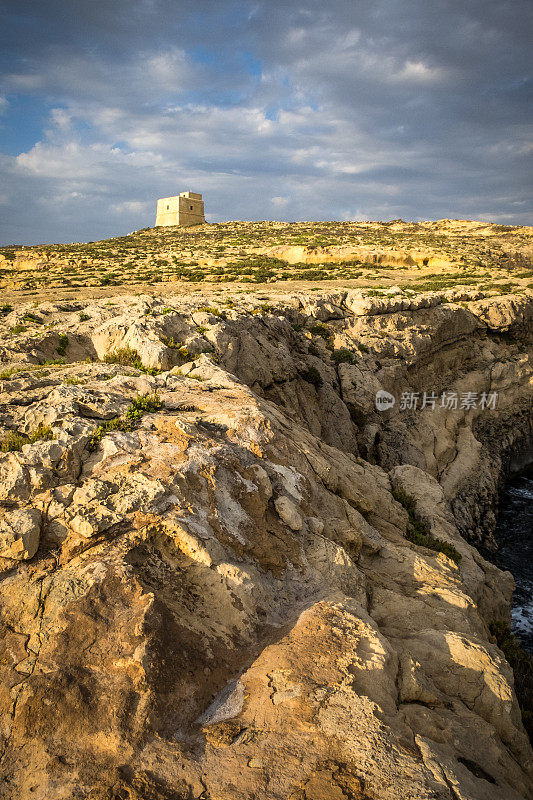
<point>70,161</point>
<point>416,72</point>
<point>61,120</point>
<point>25,82</point>
<point>170,69</point>
<point>132,206</point>
<point>357,106</point>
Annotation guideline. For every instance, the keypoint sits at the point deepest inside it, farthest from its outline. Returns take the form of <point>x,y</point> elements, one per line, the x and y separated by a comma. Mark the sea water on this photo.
<point>514,534</point>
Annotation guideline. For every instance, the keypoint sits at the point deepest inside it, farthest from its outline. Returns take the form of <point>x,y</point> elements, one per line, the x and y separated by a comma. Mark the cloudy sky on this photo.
<point>273,109</point>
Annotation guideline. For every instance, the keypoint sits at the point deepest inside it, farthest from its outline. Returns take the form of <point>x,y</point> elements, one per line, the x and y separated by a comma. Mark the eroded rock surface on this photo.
<point>216,597</point>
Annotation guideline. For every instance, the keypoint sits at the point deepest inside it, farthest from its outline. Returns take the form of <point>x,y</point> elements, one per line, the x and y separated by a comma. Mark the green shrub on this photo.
<point>175,344</point>
<point>84,317</point>
<point>63,344</point>
<point>5,309</point>
<point>6,374</point>
<point>142,404</point>
<point>108,279</point>
<point>405,500</point>
<point>506,288</point>
<point>522,665</point>
<point>128,357</point>
<point>417,529</point>
<point>16,441</point>
<point>312,375</point>
<point>182,349</point>
<point>320,329</point>
<point>215,312</point>
<point>29,317</point>
<point>116,424</point>
<point>343,356</point>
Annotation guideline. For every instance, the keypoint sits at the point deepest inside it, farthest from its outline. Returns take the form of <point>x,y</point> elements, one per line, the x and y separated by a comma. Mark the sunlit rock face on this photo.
<point>226,574</point>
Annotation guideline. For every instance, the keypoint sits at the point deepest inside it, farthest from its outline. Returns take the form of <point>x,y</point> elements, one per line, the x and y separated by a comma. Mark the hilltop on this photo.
<point>225,572</point>
<point>421,256</point>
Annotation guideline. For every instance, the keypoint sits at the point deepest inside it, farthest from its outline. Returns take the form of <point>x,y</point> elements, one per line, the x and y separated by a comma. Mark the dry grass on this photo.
<point>249,253</point>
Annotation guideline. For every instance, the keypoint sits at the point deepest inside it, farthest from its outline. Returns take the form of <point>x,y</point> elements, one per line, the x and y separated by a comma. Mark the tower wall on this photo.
<point>167,211</point>
<point>191,209</point>
<point>184,209</point>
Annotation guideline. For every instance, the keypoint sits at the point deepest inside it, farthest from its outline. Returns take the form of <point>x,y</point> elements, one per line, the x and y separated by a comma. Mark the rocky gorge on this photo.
<point>227,575</point>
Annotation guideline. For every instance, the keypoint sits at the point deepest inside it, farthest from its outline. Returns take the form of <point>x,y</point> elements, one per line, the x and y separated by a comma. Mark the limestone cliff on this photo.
<point>211,583</point>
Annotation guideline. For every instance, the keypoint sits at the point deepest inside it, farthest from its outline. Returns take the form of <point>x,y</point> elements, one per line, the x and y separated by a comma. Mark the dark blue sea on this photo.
<point>514,534</point>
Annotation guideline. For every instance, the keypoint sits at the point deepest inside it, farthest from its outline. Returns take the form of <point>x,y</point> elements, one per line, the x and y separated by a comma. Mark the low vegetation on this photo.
<point>313,376</point>
<point>522,664</point>
<point>128,357</point>
<point>15,440</point>
<point>61,348</point>
<point>253,252</point>
<point>142,404</point>
<point>417,529</point>
<point>343,356</point>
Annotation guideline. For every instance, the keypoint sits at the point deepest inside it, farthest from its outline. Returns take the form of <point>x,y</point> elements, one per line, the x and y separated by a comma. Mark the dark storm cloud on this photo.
<point>274,110</point>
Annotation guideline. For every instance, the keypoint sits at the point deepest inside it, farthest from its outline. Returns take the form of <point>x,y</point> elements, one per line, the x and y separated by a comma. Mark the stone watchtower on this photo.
<point>185,209</point>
